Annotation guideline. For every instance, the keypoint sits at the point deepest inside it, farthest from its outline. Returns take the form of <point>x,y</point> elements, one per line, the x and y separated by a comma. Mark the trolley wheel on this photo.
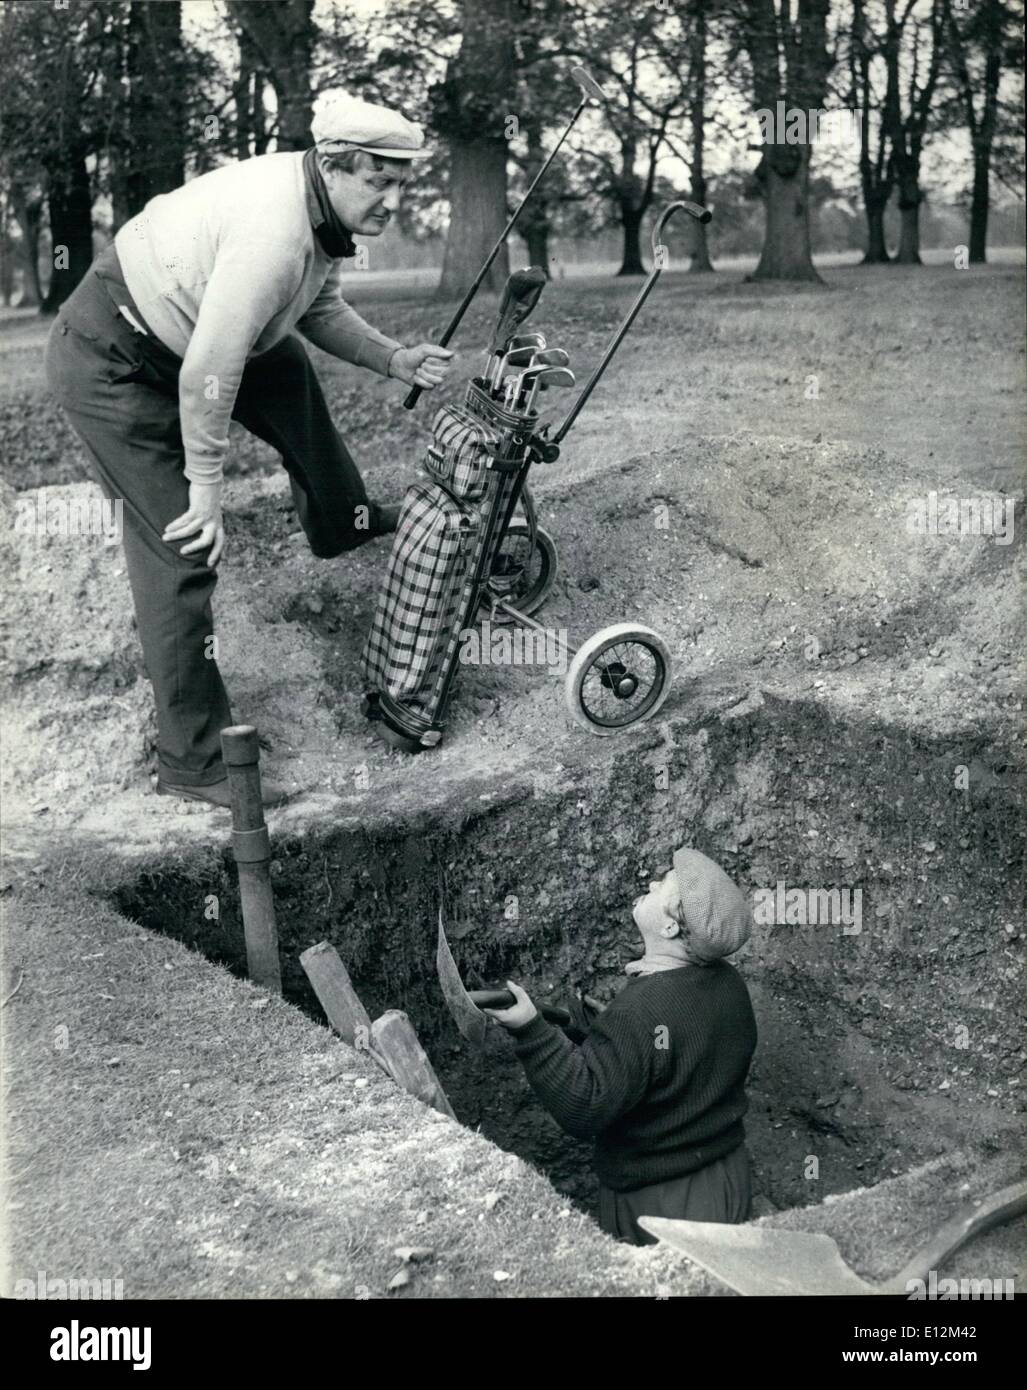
<point>619,677</point>
<point>538,570</point>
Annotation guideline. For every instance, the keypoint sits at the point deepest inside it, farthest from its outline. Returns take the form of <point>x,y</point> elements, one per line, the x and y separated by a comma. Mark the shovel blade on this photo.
<point>755,1260</point>
<point>466,1015</point>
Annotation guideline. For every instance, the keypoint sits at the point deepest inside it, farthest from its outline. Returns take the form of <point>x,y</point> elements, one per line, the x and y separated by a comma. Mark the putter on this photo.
<point>550,376</point>
<point>590,91</point>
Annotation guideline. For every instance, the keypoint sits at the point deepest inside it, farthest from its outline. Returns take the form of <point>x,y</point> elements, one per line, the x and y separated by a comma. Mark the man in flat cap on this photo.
<point>188,320</point>
<point>659,1080</point>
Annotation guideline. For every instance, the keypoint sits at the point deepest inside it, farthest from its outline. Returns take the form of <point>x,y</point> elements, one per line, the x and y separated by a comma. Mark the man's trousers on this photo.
<point>119,389</point>
<point>722,1191</point>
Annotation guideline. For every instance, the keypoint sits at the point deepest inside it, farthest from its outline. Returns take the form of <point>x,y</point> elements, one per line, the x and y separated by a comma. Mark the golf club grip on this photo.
<point>503,999</point>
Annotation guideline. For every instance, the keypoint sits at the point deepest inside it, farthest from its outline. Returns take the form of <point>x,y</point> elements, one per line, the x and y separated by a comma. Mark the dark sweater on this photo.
<point>659,1081</point>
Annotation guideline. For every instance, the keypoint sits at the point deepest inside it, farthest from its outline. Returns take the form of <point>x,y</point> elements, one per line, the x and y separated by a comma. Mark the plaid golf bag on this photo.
<point>450,527</point>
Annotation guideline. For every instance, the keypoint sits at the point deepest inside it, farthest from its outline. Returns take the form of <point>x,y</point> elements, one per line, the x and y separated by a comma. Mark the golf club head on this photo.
<point>519,340</point>
<point>549,376</point>
<point>589,86</point>
<point>520,295</point>
<point>513,357</point>
<point>551,357</point>
<point>555,376</point>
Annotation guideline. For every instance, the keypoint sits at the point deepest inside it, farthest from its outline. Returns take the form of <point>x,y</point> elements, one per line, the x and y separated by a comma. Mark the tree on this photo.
<point>876,170</point>
<point>642,56</point>
<point>469,111</point>
<point>54,73</point>
<point>906,123</point>
<point>697,56</point>
<point>988,41</point>
<point>281,36</point>
<point>790,62</point>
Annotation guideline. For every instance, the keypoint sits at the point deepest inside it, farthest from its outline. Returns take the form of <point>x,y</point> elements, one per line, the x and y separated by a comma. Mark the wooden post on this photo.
<point>331,983</point>
<point>252,847</point>
<point>396,1040</point>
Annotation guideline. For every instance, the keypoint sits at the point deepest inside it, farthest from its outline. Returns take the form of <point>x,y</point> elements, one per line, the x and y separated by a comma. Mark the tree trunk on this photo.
<point>631,222</point>
<point>477,200</point>
<point>28,213</point>
<point>282,35</point>
<point>979,205</point>
<point>787,251</point>
<point>877,248</point>
<point>156,114</point>
<point>790,59</point>
<point>909,229</point>
<point>534,221</point>
<point>536,236</point>
<point>467,113</point>
<point>70,203</point>
<point>700,248</point>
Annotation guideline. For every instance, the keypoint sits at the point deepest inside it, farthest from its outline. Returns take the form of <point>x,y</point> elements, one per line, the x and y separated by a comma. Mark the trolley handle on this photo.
<point>700,214</point>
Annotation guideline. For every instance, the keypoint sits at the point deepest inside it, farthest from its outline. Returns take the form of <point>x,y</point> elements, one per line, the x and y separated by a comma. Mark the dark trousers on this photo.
<point>119,389</point>
<point>722,1191</point>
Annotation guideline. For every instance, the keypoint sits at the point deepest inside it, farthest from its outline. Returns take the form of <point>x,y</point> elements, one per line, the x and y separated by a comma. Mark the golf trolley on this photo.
<point>469,547</point>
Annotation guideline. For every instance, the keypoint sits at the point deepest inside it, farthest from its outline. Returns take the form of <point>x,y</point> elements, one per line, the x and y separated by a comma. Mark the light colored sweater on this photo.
<point>222,269</point>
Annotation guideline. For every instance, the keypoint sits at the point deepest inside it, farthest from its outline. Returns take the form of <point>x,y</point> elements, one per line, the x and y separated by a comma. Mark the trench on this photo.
<point>880,1046</point>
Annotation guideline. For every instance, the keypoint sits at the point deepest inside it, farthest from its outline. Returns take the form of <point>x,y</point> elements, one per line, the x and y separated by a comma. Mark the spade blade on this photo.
<point>467,1016</point>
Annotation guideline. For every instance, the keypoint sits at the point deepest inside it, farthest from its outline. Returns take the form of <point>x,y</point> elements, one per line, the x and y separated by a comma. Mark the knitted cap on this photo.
<point>716,912</point>
<point>344,122</point>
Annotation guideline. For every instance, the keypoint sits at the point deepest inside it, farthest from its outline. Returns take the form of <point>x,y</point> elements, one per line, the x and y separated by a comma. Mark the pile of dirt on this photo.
<point>766,564</point>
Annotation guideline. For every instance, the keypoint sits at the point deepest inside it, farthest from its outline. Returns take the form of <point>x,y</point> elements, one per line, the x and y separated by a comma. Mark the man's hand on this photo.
<point>425,365</point>
<point>520,1013</point>
<point>203,516</point>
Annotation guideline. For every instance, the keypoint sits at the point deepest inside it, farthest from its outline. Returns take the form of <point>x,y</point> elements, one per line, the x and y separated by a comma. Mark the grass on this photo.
<point>892,349</point>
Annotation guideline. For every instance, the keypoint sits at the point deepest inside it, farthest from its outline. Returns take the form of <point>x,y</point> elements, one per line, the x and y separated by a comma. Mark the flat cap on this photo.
<point>345,122</point>
<point>718,916</point>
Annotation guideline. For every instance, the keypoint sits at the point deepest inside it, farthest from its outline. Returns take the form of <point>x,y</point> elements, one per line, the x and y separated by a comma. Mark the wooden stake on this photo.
<point>396,1039</point>
<point>252,846</point>
<point>331,983</point>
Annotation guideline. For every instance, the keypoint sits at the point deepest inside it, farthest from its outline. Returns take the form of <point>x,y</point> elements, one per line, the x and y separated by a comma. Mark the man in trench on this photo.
<point>185,322</point>
<point>659,1080</point>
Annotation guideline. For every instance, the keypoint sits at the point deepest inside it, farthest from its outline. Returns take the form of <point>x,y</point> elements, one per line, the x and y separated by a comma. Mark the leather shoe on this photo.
<point>218,794</point>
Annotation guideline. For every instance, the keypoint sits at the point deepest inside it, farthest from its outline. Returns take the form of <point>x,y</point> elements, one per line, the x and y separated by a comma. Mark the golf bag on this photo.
<point>449,529</point>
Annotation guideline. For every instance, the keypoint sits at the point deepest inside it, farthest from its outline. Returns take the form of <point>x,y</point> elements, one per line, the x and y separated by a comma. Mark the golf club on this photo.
<point>590,91</point>
<point>549,376</point>
<point>515,384</point>
<point>515,357</point>
<point>495,359</point>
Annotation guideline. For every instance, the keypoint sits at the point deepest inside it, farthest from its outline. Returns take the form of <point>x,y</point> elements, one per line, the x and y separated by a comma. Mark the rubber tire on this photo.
<point>584,659</point>
<point>536,596</point>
